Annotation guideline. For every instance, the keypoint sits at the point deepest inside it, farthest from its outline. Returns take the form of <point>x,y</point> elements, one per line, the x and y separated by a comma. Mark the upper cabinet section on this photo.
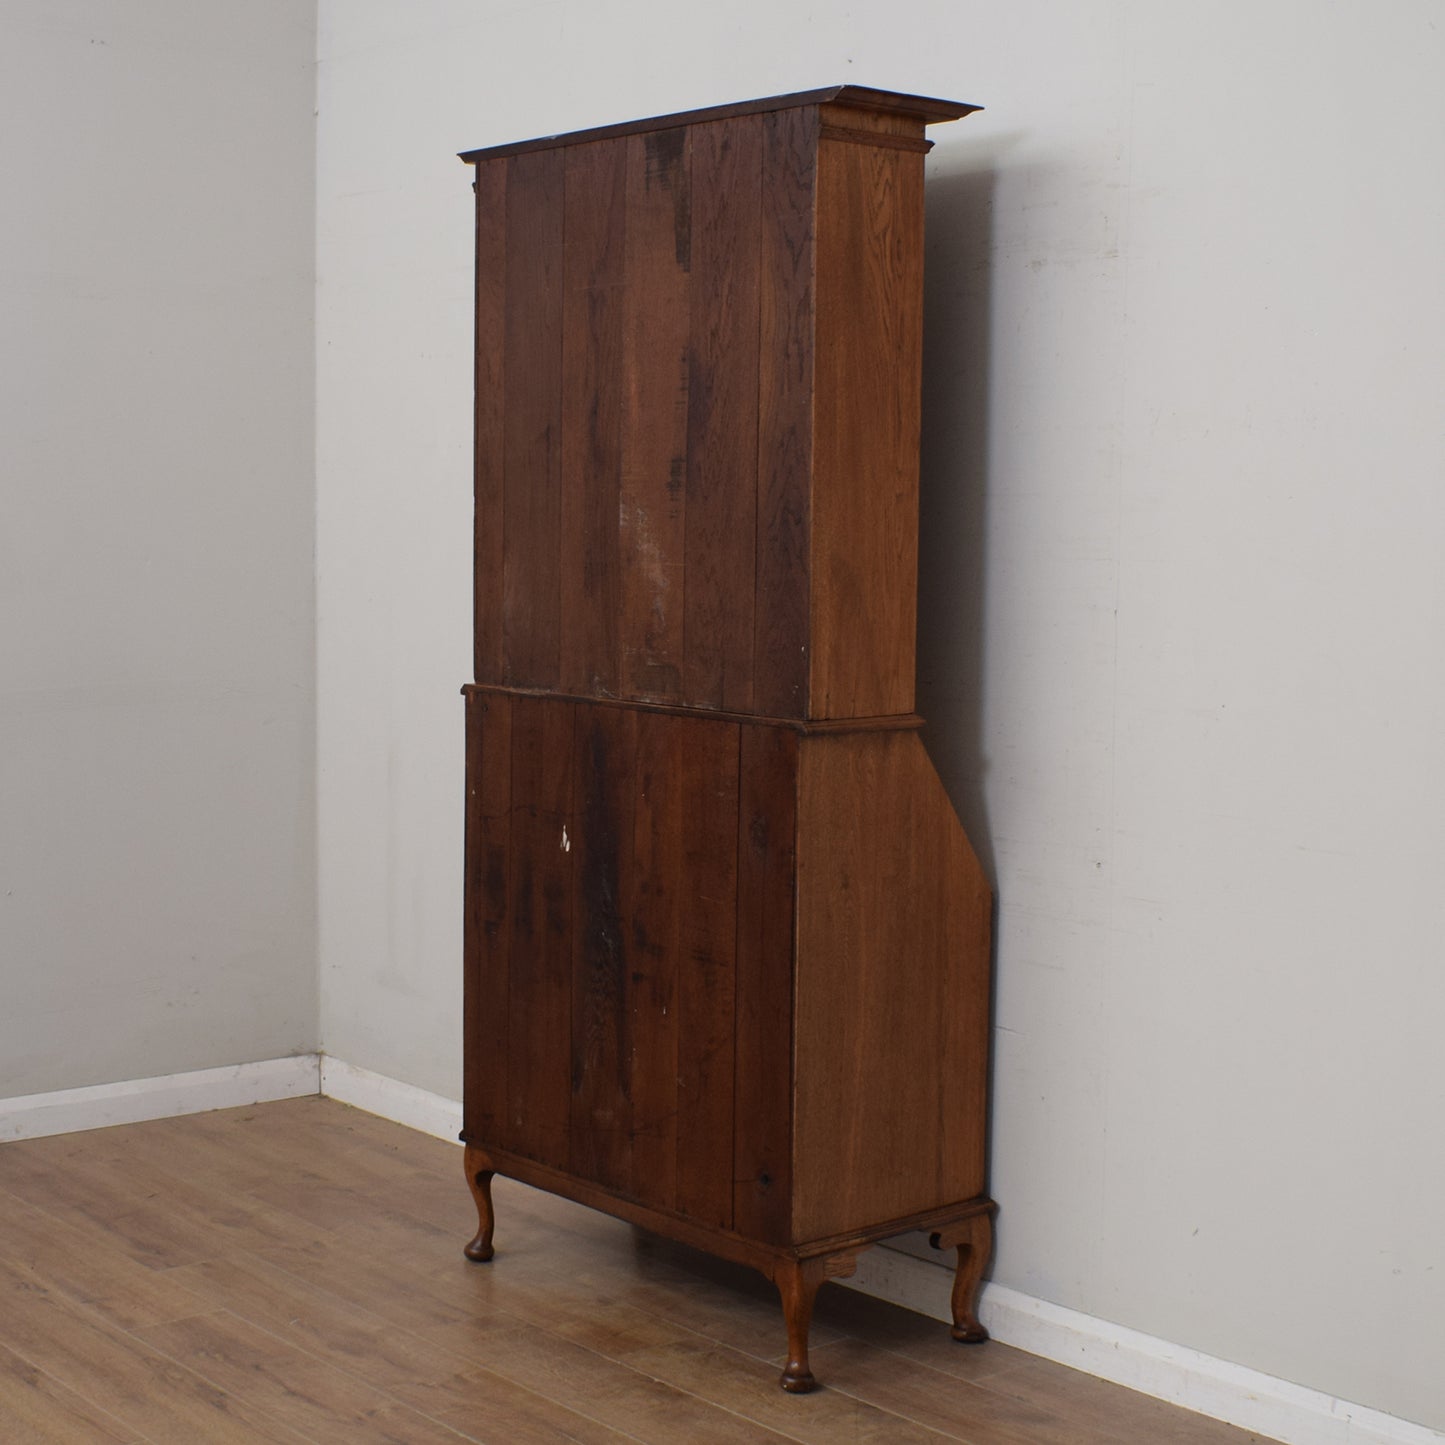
<point>699,344</point>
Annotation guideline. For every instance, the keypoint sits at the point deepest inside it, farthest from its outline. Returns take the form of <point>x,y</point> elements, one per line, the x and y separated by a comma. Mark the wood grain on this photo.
<point>706,981</point>
<point>652,517</point>
<point>532,420</point>
<point>762,1135</point>
<point>785,413</point>
<point>892,988</point>
<point>78,1254</point>
<point>722,438</point>
<point>540,958</point>
<point>591,417</point>
<point>654,933</point>
<point>387,1332</point>
<point>489,429</point>
<point>36,1408</point>
<point>315,1399</point>
<point>487,928</point>
<point>151,1395</point>
<point>603,1024</point>
<point>864,516</point>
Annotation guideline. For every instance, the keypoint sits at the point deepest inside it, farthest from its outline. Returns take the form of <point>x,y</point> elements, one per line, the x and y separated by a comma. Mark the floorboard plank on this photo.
<point>78,1258</point>
<point>36,1408</point>
<point>318,1401</point>
<point>293,1271</point>
<point>750,1387</point>
<point>151,1395</point>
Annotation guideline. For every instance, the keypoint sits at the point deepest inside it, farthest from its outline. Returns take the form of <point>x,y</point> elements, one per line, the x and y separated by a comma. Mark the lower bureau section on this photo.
<point>629,940</point>
<point>727,978</point>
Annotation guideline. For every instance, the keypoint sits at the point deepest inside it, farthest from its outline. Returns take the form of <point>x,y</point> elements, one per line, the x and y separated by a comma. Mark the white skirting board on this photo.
<point>1243,1397</point>
<point>402,1103</point>
<point>32,1116</point>
<point>1184,1377</point>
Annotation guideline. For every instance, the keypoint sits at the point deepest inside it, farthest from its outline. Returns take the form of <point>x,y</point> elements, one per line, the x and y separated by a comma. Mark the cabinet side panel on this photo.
<point>532,420</point>
<point>604,787</point>
<point>868,350</point>
<point>892,989</point>
<point>762,1137</point>
<point>656,904</point>
<point>540,962</point>
<point>706,984</point>
<point>592,315</point>
<point>785,413</point>
<point>652,515</point>
<point>491,261</point>
<point>722,417</point>
<point>485,938</point>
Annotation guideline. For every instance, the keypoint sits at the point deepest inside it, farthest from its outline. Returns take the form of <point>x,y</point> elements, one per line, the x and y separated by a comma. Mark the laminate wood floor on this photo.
<point>293,1272</point>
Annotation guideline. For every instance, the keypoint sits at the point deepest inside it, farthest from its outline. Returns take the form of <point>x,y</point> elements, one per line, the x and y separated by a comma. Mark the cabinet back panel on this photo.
<point>490,433</point>
<point>785,413</point>
<point>707,970</point>
<point>531,431</point>
<point>595,197</point>
<point>767,826</point>
<point>720,564</point>
<point>540,921</point>
<point>629,948</point>
<point>601,1115</point>
<point>652,520</point>
<point>487,930</point>
<point>644,406</point>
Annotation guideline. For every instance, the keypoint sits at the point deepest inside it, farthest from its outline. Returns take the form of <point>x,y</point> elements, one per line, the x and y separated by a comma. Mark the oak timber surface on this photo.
<point>698,379</point>
<point>290,1272</point>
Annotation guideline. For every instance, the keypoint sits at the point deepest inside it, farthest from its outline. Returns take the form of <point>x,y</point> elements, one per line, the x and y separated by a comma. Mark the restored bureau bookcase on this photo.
<point>727,947</point>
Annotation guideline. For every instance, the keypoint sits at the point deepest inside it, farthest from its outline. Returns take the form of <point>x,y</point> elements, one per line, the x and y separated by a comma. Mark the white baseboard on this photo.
<point>66,1111</point>
<point>1199,1382</point>
<point>390,1099</point>
<point>1185,1377</point>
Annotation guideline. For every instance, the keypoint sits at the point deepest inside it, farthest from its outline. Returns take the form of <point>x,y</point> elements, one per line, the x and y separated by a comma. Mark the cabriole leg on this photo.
<point>479,1177</point>
<point>798,1282</point>
<point>973,1239</point>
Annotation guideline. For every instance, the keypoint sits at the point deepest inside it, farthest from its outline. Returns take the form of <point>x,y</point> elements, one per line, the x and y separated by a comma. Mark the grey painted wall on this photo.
<point>1181,595</point>
<point>157,773</point>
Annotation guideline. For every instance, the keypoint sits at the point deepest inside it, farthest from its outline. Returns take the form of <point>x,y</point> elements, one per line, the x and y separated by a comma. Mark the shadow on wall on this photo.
<point>953,491</point>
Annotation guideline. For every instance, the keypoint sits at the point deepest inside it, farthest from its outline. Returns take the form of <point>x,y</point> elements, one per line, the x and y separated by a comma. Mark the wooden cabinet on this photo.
<point>727,947</point>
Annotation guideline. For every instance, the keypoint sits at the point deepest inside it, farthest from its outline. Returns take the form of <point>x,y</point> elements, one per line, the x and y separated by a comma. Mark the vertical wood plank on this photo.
<point>592,318</point>
<point>722,416</point>
<point>658,255</point>
<point>532,504</point>
<point>540,971</point>
<point>656,902</point>
<point>604,773</point>
<point>785,414</point>
<point>866,429</point>
<point>487,851</point>
<point>489,459</point>
<point>707,971</point>
<point>762,1149</point>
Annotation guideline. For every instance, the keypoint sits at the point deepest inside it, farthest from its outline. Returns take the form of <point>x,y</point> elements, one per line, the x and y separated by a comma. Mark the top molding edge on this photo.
<point>861,97</point>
